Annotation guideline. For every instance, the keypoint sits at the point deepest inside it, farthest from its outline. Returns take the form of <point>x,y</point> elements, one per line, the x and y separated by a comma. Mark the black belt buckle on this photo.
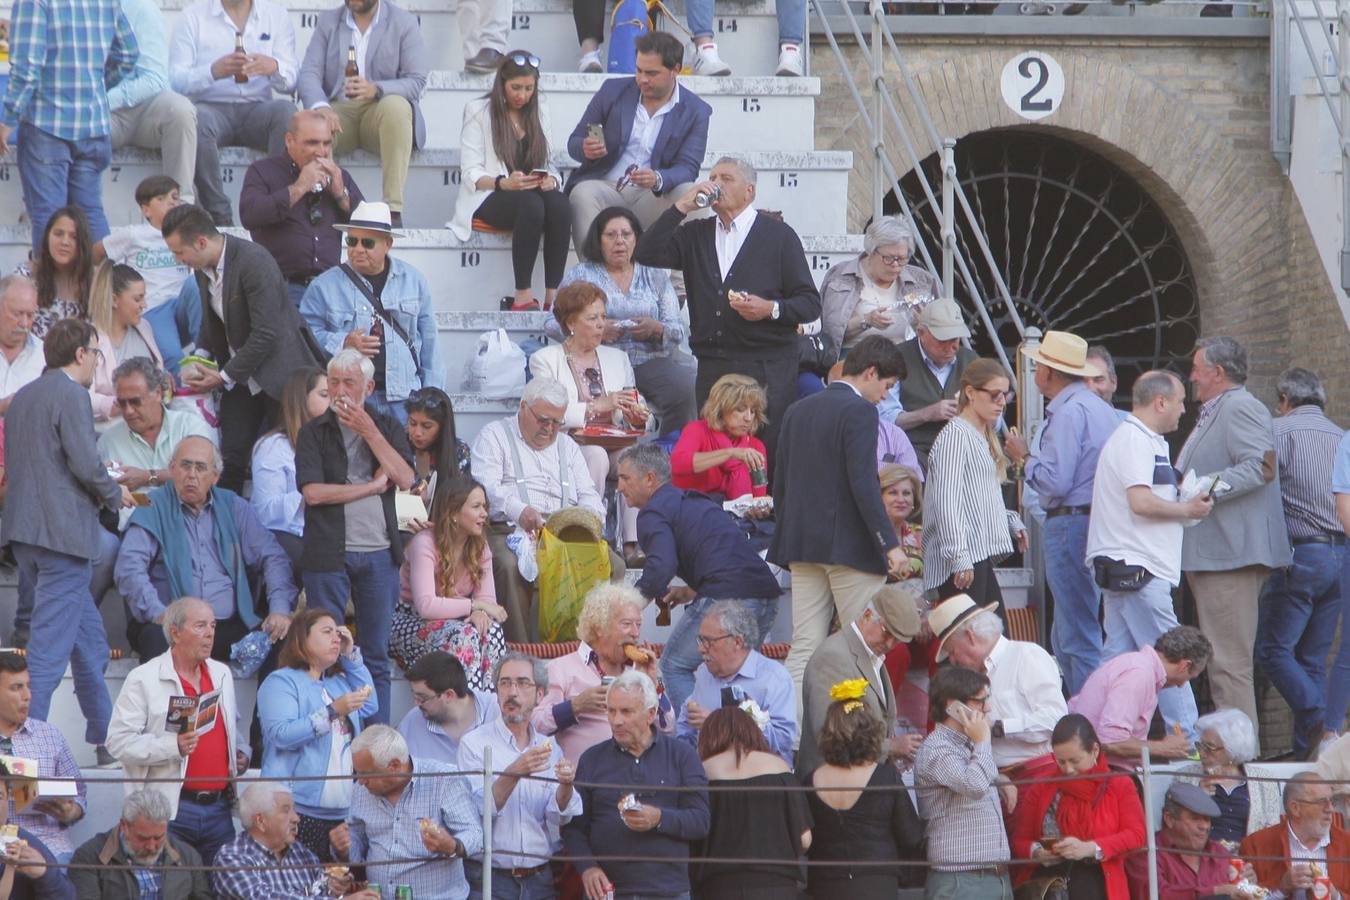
<point>1068,511</point>
<point>201,798</point>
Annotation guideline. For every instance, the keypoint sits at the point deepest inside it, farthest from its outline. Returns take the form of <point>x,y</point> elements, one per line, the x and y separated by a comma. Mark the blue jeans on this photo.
<point>1076,635</point>
<point>67,628</point>
<point>791,19</point>
<point>1135,619</point>
<point>1294,627</point>
<point>1338,679</point>
<point>100,579</point>
<point>371,580</point>
<point>538,886</point>
<point>681,657</point>
<point>967,886</point>
<point>57,173</point>
<point>207,827</point>
<point>393,408</point>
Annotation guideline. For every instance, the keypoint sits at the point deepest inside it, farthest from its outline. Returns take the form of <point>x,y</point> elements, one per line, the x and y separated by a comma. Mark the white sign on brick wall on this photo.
<point>1033,84</point>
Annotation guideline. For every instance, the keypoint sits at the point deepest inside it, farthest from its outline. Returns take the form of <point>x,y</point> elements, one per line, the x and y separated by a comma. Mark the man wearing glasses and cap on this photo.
<point>290,202</point>
<point>934,361</point>
<point>1061,471</point>
<point>379,306</point>
<point>1190,864</point>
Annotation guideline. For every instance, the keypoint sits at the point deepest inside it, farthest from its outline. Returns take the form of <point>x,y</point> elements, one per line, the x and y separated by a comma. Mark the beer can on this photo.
<point>759,476</point>
<point>374,888</point>
<point>1235,866</point>
<point>403,892</point>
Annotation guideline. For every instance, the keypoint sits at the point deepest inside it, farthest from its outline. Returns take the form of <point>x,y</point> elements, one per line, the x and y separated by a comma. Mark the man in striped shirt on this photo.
<point>63,58</point>
<point>270,821</point>
<point>1300,604</point>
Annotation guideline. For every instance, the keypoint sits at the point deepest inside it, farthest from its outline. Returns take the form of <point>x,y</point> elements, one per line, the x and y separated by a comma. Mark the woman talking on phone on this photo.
<point>507,180</point>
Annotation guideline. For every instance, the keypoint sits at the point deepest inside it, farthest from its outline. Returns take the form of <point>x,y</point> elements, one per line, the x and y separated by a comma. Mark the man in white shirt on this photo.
<point>527,814</point>
<point>531,470</point>
<point>445,709</point>
<point>1026,696</point>
<point>1134,534</point>
<point>21,358</point>
<point>232,88</point>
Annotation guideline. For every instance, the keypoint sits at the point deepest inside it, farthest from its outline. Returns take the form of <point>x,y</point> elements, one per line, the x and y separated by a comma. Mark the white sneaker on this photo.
<point>591,62</point>
<point>790,60</point>
<point>707,62</point>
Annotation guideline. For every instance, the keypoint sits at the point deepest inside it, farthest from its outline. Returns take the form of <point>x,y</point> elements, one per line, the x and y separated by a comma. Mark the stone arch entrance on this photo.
<point>1079,243</point>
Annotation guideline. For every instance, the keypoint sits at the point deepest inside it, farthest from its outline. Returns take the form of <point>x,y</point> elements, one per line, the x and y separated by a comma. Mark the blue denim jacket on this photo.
<point>296,735</point>
<point>334,307</point>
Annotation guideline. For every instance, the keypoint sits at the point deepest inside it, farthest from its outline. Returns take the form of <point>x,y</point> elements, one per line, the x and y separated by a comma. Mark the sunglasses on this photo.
<point>427,398</point>
<point>368,243</point>
<point>594,386</point>
<point>315,210</point>
<point>626,178</point>
<point>525,59</point>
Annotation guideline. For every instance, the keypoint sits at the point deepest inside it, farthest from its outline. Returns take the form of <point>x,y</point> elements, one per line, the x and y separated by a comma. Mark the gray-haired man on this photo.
<point>140,858</point>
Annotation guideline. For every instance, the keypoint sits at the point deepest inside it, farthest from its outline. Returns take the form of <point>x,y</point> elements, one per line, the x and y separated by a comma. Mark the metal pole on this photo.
<point>878,123</point>
<point>1148,825</point>
<point>949,215</point>
<point>1343,84</point>
<point>1030,416</point>
<point>487,820</point>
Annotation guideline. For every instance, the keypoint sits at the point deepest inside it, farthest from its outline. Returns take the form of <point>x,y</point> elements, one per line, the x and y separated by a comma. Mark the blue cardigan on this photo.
<point>297,739</point>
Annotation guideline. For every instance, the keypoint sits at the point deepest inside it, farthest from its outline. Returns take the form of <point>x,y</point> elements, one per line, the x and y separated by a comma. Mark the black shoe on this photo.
<point>484,60</point>
<point>19,639</point>
<point>395,219</point>
<point>103,759</point>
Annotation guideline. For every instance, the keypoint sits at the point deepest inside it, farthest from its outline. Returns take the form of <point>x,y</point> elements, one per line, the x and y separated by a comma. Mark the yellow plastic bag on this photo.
<point>567,570</point>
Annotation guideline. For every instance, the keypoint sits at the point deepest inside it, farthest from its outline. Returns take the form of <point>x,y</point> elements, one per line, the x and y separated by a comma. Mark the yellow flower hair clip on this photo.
<point>851,692</point>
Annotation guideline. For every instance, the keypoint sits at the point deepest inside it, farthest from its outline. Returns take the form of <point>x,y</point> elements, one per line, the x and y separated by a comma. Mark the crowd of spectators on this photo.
<point>251,440</point>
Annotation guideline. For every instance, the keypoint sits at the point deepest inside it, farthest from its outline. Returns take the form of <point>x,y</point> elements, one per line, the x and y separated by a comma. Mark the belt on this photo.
<point>1336,540</point>
<point>522,872</point>
<point>988,872</point>
<point>201,798</point>
<point>302,280</point>
<point>1068,511</point>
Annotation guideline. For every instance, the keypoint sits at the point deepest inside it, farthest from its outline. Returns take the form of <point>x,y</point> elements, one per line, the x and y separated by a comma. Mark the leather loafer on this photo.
<point>484,60</point>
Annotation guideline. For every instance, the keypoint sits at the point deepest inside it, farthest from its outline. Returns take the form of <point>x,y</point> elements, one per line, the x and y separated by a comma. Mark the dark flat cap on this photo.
<point>1194,798</point>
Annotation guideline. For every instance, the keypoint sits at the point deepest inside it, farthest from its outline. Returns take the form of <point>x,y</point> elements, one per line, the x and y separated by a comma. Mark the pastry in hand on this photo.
<point>636,654</point>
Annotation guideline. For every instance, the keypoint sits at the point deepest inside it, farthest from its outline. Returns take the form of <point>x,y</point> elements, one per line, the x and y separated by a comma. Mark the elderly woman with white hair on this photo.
<point>1227,747</point>
<point>574,707</point>
<point>867,295</point>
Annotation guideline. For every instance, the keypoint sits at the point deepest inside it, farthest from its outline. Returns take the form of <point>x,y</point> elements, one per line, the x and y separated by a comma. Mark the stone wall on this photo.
<point>1188,119</point>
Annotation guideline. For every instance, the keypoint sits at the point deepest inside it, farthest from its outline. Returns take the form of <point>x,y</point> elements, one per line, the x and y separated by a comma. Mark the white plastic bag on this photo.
<point>497,370</point>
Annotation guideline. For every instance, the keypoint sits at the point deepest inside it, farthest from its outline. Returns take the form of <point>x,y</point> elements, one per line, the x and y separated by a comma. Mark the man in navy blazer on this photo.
<point>832,533</point>
<point>655,133</point>
<point>57,484</point>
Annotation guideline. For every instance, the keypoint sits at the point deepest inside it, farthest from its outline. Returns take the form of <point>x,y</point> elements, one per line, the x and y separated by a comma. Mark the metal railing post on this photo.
<point>1151,843</point>
<point>487,820</point>
<point>948,217</point>
<point>1343,84</point>
<point>878,123</point>
<point>1030,416</point>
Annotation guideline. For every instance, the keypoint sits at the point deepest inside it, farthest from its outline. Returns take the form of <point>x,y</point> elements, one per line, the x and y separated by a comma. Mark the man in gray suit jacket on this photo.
<point>1227,556</point>
<point>378,109</point>
<point>56,486</point>
<point>249,327</point>
<point>858,650</point>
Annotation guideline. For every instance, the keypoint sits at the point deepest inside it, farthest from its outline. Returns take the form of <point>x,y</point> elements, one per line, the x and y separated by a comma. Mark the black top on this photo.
<point>301,237</point>
<point>321,458</point>
<point>757,824</point>
<point>882,825</point>
<point>1231,824</point>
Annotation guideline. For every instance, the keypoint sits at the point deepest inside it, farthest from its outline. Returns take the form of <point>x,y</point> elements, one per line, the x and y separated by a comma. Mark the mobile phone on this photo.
<point>596,131</point>
<point>542,173</point>
<point>959,711</point>
<point>729,697</point>
<point>1212,485</point>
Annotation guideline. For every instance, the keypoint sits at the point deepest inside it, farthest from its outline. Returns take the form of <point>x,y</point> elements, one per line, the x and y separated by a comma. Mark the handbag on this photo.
<point>816,353</point>
<point>1048,887</point>
<point>1114,575</point>
<point>379,307</point>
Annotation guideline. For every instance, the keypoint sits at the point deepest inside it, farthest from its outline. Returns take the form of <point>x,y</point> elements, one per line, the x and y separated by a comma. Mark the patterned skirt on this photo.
<point>411,637</point>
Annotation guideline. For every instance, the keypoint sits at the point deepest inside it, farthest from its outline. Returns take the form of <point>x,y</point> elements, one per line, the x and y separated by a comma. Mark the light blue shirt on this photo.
<point>1340,472</point>
<point>334,307</point>
<point>150,77</point>
<point>530,820</point>
<point>1077,424</point>
<point>650,294</point>
<point>277,501</point>
<point>429,741</point>
<point>759,679</point>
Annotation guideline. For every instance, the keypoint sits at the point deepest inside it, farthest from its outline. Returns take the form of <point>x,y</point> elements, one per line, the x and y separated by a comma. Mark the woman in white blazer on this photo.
<point>116,307</point>
<point>599,380</point>
<point>507,180</point>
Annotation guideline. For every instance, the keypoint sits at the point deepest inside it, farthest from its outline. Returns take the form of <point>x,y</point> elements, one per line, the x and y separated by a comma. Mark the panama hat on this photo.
<point>1065,352</point>
<point>576,524</point>
<point>371,215</point>
<point>950,615</point>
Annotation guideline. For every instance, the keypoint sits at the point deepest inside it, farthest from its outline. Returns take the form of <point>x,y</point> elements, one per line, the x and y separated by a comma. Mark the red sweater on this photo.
<point>1117,824</point>
<point>731,479</point>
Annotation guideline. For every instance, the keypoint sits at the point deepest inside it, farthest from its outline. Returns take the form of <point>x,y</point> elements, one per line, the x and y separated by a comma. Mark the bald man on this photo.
<point>197,539</point>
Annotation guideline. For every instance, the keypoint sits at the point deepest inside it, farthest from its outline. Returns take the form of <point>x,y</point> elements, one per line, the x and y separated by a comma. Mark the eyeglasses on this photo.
<point>983,701</point>
<point>996,396</point>
<point>129,402</point>
<point>594,385</point>
<point>626,178</point>
<point>894,260</point>
<point>515,684</point>
<point>706,642</point>
<point>544,421</point>
<point>94,350</point>
<point>525,59</point>
<point>1322,803</point>
<point>368,243</point>
<point>1207,747</point>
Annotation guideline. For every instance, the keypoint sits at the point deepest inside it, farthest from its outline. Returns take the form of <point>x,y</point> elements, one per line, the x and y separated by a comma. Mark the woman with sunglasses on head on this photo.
<point>116,307</point>
<point>507,180</point>
<point>447,600</point>
<point>966,527</point>
<point>599,379</point>
<point>438,453</point>
<point>63,270</point>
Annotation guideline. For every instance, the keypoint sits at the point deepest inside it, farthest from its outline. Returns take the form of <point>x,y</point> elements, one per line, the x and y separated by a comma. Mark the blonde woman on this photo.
<point>116,307</point>
<point>966,528</point>
<point>719,454</point>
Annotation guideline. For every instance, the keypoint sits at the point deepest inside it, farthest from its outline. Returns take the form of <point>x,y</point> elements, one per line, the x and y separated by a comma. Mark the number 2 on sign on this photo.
<point>1032,84</point>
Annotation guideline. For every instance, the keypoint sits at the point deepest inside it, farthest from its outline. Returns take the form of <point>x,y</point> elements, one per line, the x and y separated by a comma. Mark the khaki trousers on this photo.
<point>166,122</point>
<point>383,127</point>
<point>819,590</point>
<point>1226,604</point>
<point>519,597</point>
<point>593,195</point>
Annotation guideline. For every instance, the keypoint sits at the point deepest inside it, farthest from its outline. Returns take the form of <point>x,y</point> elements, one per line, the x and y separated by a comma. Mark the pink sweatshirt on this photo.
<point>417,581</point>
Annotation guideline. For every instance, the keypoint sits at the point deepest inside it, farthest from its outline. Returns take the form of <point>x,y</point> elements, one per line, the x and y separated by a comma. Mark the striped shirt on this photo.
<point>236,877</point>
<point>964,519</point>
<point>63,56</point>
<point>1305,445</point>
<point>954,780</point>
<point>37,740</point>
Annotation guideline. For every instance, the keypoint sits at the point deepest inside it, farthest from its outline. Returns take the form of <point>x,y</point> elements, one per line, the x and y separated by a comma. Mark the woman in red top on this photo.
<point>1080,829</point>
<point>719,454</point>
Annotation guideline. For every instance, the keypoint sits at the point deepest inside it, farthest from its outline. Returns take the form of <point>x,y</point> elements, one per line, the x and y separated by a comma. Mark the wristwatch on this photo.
<point>154,478</point>
<point>774,315</point>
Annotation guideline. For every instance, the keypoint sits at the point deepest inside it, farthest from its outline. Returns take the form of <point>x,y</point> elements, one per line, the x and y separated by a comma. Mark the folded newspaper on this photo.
<point>194,714</point>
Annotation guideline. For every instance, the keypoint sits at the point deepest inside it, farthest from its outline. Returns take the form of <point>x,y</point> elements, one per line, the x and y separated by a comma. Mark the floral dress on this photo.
<point>47,316</point>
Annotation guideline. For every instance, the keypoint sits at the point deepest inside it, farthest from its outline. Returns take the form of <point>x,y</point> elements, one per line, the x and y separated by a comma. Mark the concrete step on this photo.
<point>746,31</point>
<point>807,186</point>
